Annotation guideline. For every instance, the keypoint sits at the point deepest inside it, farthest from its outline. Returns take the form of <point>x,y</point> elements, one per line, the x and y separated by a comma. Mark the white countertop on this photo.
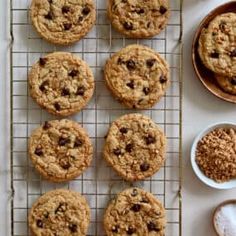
<point>200,109</point>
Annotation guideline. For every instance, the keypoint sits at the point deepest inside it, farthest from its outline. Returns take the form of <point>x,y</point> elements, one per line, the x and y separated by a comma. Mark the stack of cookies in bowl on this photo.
<point>63,84</point>
<point>217,50</point>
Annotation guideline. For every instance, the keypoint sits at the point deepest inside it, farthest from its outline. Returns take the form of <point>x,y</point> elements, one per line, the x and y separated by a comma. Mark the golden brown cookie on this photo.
<point>217,47</point>
<point>60,150</point>
<point>61,83</point>
<point>59,212</point>
<point>138,18</point>
<point>228,84</point>
<point>135,147</point>
<point>135,212</point>
<point>137,76</point>
<point>63,21</point>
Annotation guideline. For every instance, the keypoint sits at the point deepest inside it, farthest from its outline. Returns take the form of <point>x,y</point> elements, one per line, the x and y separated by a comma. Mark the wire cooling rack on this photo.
<point>99,183</point>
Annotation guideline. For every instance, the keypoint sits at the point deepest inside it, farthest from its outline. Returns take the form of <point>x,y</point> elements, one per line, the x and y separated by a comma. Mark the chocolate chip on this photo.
<point>78,143</point>
<point>233,53</point>
<point>134,192</point>
<point>123,130</point>
<point>163,10</point>
<point>120,61</point>
<point>80,18</point>
<point>130,64</point>
<point>67,26</point>
<point>65,92</point>
<point>146,90</point>
<point>150,62</point>
<point>49,16</point>
<point>65,164</point>
<point>39,223</point>
<point>129,147</point>
<point>131,84</point>
<point>46,125</point>
<point>117,151</point>
<point>86,10</point>
<point>150,139</point>
<point>50,1</point>
<point>233,81</point>
<point>144,167</point>
<point>73,228</point>
<point>162,79</point>
<point>73,73</point>
<point>136,208</point>
<point>61,207</point>
<point>80,91</point>
<point>114,229</point>
<point>214,33</point>
<point>128,26</point>
<point>38,151</point>
<point>222,26</point>
<point>42,61</point>
<point>63,141</point>
<point>148,24</point>
<point>214,54</point>
<point>131,230</point>
<point>65,9</point>
<point>140,11</point>
<point>152,227</point>
<point>42,87</point>
<point>57,106</point>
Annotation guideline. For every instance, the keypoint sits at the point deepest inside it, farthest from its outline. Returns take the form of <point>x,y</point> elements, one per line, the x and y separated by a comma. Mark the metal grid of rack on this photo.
<point>99,183</point>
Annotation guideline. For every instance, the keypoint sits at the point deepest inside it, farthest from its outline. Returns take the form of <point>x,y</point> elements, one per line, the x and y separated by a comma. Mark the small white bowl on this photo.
<point>225,185</point>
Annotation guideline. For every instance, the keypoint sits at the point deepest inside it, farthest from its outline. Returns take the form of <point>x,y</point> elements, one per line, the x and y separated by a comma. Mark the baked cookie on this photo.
<point>138,19</point>
<point>59,212</point>
<point>135,147</point>
<point>137,76</point>
<point>228,84</point>
<point>63,21</point>
<point>61,83</point>
<point>217,48</point>
<point>135,212</point>
<point>60,150</point>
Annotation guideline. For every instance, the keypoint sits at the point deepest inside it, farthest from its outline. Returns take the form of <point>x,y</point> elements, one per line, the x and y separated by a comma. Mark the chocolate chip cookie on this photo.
<point>61,83</point>
<point>138,18</point>
<point>135,212</point>
<point>60,150</point>
<point>228,84</point>
<point>60,212</point>
<point>135,147</point>
<point>217,48</point>
<point>63,22</point>
<point>137,76</point>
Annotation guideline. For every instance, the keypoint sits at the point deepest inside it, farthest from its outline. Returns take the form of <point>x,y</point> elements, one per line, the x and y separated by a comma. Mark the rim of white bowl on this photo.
<point>225,185</point>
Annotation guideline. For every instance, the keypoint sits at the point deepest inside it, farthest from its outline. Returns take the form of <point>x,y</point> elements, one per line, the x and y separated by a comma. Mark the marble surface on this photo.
<point>4,120</point>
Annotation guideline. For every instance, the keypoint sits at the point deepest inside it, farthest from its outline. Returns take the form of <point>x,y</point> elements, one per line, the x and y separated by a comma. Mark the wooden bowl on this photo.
<point>232,201</point>
<point>205,75</point>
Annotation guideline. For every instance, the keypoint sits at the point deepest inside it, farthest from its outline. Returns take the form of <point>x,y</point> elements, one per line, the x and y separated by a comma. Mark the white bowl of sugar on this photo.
<point>224,218</point>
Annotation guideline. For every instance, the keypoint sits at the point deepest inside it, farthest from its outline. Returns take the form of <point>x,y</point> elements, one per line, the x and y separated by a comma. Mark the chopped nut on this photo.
<point>216,154</point>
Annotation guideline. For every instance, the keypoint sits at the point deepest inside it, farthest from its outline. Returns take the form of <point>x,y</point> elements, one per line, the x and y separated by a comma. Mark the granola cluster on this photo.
<point>216,154</point>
